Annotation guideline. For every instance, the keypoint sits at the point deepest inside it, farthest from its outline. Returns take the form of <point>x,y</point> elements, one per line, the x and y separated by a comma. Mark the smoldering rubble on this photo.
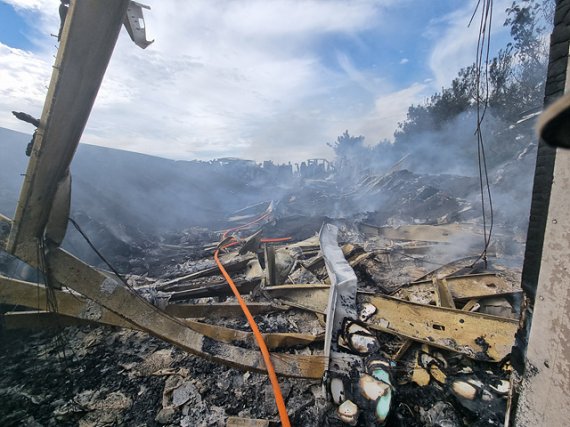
<point>426,340</point>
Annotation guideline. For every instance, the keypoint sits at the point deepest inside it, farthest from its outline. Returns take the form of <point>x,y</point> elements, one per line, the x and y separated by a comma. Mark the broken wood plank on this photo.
<point>231,264</point>
<point>37,320</point>
<point>273,340</point>
<point>247,422</point>
<point>215,290</point>
<point>270,268</point>
<point>304,296</point>
<point>471,305</point>
<point>88,39</point>
<point>217,310</point>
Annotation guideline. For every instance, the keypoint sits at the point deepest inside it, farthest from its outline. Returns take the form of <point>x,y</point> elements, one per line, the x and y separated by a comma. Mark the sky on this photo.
<point>263,80</point>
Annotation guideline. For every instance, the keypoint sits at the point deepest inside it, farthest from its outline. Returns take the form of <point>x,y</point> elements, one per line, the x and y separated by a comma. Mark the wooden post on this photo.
<point>89,36</point>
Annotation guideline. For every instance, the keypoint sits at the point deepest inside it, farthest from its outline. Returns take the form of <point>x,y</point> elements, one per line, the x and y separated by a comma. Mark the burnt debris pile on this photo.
<point>370,287</point>
<point>388,313</point>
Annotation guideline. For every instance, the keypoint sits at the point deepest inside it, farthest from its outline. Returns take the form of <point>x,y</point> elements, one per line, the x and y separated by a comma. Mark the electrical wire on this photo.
<point>61,341</point>
<point>482,70</point>
<point>262,346</point>
<point>258,337</point>
<point>99,254</point>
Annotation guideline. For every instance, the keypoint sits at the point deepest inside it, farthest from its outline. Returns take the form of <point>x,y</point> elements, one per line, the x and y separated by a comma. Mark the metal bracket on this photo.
<point>135,25</point>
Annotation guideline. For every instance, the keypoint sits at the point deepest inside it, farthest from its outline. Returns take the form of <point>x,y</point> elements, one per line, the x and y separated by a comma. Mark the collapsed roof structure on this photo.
<point>380,337</point>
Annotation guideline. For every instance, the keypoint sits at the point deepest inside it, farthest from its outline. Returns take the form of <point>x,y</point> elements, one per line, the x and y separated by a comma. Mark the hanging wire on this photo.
<point>61,341</point>
<point>51,299</point>
<point>482,102</point>
<point>99,254</point>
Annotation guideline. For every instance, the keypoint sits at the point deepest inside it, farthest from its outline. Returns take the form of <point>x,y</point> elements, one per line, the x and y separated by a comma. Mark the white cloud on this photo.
<point>404,61</point>
<point>232,78</point>
<point>32,4</point>
<point>456,44</point>
<point>220,78</point>
<point>24,78</point>
<point>389,109</point>
<point>280,18</point>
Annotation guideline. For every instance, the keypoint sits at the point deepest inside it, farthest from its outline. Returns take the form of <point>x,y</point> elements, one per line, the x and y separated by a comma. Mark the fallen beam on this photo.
<point>37,320</point>
<point>31,295</point>
<point>212,290</point>
<point>273,340</point>
<point>88,39</point>
<point>208,341</point>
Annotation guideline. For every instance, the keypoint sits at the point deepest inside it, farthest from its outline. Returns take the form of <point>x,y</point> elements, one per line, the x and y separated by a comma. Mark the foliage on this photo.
<point>514,85</point>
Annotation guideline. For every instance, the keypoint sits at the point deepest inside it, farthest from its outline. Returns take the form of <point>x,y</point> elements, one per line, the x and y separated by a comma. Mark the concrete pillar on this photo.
<point>543,345</point>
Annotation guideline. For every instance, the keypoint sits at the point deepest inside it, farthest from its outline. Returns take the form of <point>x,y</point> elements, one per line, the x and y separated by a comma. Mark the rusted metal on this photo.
<point>479,336</point>
<point>467,287</point>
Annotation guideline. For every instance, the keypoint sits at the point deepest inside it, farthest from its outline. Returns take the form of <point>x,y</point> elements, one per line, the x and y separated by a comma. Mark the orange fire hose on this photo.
<point>262,347</point>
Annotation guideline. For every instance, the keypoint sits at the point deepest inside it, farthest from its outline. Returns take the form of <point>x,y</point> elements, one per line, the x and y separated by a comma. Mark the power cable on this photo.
<point>482,64</point>
<point>99,254</point>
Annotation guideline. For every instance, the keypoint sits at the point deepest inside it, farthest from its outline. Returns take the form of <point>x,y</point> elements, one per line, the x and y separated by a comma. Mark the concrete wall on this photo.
<point>544,343</point>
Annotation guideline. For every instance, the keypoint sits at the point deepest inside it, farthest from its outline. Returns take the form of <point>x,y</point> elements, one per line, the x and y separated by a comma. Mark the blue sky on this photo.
<point>250,78</point>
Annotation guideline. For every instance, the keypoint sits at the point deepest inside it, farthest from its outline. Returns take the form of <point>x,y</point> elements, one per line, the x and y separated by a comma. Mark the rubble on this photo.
<point>372,293</point>
<point>429,337</point>
<point>433,324</point>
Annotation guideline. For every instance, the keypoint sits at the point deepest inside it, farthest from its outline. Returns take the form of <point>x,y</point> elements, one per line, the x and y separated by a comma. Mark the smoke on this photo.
<point>126,202</point>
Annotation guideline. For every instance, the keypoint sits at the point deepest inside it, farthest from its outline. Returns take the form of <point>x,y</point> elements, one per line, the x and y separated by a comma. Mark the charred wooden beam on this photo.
<point>89,36</point>
<point>231,265</point>
<point>218,310</point>
<point>37,320</point>
<point>213,290</point>
<point>111,303</point>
